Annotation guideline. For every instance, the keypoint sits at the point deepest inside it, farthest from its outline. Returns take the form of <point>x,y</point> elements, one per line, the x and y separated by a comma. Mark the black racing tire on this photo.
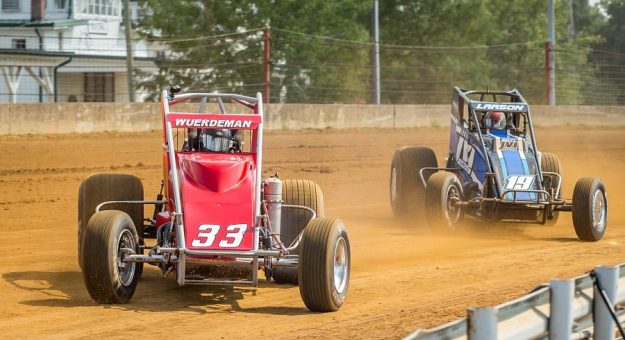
<point>106,281</point>
<point>296,192</point>
<point>441,188</point>
<point>406,189</point>
<point>550,163</point>
<point>324,265</point>
<point>590,209</point>
<point>299,192</point>
<point>99,188</point>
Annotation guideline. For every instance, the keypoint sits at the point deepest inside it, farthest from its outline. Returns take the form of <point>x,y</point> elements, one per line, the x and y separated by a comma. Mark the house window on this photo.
<point>18,44</point>
<point>10,5</point>
<point>100,7</point>
<point>60,4</point>
<point>99,87</point>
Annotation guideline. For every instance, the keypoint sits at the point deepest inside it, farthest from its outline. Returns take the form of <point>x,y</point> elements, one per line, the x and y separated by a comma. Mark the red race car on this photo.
<point>217,221</point>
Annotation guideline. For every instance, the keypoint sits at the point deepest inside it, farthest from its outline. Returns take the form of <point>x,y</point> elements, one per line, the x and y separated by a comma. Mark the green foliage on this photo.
<point>307,70</point>
<point>610,53</point>
<point>234,63</point>
<point>428,46</point>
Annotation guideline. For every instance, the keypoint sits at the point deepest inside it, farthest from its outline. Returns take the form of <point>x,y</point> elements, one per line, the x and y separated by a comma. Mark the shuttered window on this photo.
<point>99,87</point>
<point>10,5</point>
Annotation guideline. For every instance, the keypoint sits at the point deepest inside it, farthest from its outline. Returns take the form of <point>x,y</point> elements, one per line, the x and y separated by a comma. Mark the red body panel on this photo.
<point>162,218</point>
<point>218,200</point>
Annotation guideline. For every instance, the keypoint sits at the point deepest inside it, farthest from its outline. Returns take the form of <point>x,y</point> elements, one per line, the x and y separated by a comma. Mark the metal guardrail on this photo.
<point>563,309</point>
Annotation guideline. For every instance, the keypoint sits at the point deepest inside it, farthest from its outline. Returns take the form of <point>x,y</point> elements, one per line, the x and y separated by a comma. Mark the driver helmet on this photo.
<point>496,120</point>
<point>218,140</point>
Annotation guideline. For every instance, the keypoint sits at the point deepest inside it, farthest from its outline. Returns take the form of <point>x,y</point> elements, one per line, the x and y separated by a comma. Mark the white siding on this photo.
<point>22,14</point>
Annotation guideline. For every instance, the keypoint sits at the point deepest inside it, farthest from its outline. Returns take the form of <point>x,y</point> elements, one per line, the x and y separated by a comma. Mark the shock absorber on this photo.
<point>272,190</point>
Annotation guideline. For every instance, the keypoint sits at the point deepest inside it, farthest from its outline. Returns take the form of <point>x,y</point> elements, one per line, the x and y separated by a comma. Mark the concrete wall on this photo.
<point>90,117</point>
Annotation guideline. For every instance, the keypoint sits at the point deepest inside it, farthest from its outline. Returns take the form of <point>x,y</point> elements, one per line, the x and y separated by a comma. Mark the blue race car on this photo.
<point>494,172</point>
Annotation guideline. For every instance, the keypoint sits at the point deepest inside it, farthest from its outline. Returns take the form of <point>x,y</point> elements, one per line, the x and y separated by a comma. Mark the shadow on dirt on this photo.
<point>154,294</point>
<point>476,229</point>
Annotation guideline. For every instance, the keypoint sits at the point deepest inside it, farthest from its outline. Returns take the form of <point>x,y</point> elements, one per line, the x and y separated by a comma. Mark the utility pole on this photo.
<point>129,50</point>
<point>571,21</point>
<point>376,56</point>
<point>551,57</point>
<point>267,64</point>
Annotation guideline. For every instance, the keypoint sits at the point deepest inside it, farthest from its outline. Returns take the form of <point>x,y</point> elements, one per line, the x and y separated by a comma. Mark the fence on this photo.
<point>304,69</point>
<point>563,309</point>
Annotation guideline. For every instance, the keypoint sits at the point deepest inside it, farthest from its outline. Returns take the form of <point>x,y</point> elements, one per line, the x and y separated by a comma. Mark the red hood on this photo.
<point>214,172</point>
<point>217,189</point>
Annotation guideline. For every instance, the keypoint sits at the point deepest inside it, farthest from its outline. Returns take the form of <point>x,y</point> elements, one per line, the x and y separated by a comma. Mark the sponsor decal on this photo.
<point>509,144</point>
<point>507,107</point>
<point>221,123</point>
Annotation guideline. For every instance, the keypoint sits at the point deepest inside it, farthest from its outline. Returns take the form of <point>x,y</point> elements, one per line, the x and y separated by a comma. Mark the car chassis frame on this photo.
<point>492,199</point>
<point>179,255</point>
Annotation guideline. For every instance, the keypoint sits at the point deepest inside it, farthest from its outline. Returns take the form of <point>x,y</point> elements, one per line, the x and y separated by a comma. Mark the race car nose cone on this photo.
<point>217,173</point>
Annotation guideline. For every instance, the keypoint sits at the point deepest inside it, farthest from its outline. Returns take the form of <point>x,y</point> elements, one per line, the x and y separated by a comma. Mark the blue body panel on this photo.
<point>508,156</point>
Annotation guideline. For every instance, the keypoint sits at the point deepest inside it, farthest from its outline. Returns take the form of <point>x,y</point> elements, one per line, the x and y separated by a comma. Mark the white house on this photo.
<point>66,50</point>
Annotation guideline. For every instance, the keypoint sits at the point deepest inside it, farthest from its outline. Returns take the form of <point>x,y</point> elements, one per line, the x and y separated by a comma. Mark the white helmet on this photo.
<point>218,140</point>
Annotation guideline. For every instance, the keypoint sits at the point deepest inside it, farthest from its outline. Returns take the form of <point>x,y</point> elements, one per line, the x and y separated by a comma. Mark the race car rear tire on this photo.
<point>441,190</point>
<point>550,163</point>
<point>590,209</point>
<point>107,278</point>
<point>324,265</point>
<point>406,188</point>
<point>99,188</point>
<point>296,192</point>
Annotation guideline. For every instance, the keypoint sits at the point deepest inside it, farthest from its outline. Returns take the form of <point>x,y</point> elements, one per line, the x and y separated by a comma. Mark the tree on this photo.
<point>444,26</point>
<point>305,69</point>
<point>609,56</point>
<point>197,63</point>
<point>321,48</point>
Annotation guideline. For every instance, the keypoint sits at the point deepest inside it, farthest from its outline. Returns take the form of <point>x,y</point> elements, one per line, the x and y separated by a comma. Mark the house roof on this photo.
<point>43,53</point>
<point>37,53</point>
<point>42,23</point>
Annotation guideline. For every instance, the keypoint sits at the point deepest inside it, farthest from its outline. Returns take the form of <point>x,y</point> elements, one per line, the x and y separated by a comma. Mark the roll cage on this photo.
<point>171,121</point>
<point>468,108</point>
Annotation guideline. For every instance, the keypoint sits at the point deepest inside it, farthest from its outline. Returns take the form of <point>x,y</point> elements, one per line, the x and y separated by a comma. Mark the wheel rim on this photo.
<point>341,265</point>
<point>393,184</point>
<point>598,211</point>
<point>453,212</point>
<point>125,270</point>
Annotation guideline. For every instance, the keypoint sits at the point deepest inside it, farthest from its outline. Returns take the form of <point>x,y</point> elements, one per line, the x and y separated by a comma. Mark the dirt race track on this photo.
<point>404,276</point>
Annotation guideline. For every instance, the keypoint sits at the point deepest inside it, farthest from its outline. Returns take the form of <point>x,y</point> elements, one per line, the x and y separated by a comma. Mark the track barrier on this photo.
<point>586,306</point>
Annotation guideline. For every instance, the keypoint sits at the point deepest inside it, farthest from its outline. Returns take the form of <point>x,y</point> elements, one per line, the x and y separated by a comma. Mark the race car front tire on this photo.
<point>324,265</point>
<point>441,192</point>
<point>590,209</point>
<point>107,236</point>
<point>406,188</point>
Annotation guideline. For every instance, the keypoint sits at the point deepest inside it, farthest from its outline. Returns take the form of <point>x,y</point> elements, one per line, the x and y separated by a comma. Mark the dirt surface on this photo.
<point>404,275</point>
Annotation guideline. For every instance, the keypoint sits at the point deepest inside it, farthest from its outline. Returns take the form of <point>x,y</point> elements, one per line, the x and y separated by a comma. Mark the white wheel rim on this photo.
<point>452,212</point>
<point>125,270</point>
<point>598,211</point>
<point>341,265</point>
<point>393,184</point>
